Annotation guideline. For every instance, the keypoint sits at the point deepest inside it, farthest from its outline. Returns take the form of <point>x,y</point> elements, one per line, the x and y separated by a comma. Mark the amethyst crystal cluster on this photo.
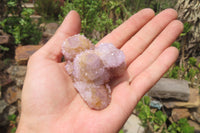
<point>91,68</point>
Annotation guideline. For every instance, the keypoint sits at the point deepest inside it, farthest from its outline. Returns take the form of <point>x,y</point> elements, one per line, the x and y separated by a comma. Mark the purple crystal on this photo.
<point>75,45</point>
<point>89,67</point>
<point>96,96</point>
<point>92,68</point>
<point>113,58</point>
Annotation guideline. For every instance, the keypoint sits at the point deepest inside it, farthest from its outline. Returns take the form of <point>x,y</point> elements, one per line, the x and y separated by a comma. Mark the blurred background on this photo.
<point>26,25</point>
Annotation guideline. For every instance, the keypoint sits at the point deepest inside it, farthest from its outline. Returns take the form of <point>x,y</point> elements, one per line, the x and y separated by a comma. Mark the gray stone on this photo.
<point>17,73</point>
<point>19,106</point>
<point>198,109</point>
<point>4,119</point>
<point>12,110</point>
<point>4,39</point>
<point>4,80</point>
<point>193,102</point>
<point>196,116</point>
<point>50,29</point>
<point>170,88</point>
<point>35,16</point>
<point>28,5</point>
<point>133,125</point>
<point>20,81</point>
<point>3,105</point>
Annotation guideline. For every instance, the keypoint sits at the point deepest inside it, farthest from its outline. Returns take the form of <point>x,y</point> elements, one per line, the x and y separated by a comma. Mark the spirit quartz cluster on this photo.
<point>92,68</point>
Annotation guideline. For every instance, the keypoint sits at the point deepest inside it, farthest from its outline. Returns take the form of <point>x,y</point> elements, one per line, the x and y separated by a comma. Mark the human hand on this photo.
<point>50,103</point>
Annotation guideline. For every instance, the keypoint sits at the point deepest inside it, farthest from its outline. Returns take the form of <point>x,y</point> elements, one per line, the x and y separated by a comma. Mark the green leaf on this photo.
<point>121,131</point>
<point>12,117</point>
<point>11,3</point>
<point>146,100</point>
<point>187,28</point>
<point>192,61</point>
<point>13,130</point>
<point>156,127</point>
<point>177,45</point>
<point>161,117</point>
<point>4,48</point>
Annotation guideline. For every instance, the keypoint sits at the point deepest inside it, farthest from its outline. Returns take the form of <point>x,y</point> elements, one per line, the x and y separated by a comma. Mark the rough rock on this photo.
<point>198,110</point>
<point>20,81</point>
<point>195,125</point>
<point>156,104</point>
<point>8,110</point>
<point>50,29</point>
<point>17,73</point>
<point>12,110</point>
<point>2,65</point>
<point>179,113</point>
<point>35,18</point>
<point>4,119</point>
<point>3,105</point>
<point>133,125</point>
<point>170,88</point>
<point>4,80</point>
<point>28,5</point>
<point>193,102</point>
<point>4,39</point>
<point>12,94</point>
<point>196,116</point>
<point>19,106</point>
<point>22,53</point>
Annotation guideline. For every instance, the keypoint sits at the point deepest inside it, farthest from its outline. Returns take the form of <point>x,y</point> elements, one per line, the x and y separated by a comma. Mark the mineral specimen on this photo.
<point>75,45</point>
<point>92,68</point>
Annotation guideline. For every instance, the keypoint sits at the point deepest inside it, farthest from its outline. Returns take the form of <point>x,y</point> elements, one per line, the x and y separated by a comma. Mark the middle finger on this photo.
<point>138,43</point>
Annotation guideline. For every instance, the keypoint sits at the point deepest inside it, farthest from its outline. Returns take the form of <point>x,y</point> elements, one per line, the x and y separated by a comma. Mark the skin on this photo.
<point>50,103</point>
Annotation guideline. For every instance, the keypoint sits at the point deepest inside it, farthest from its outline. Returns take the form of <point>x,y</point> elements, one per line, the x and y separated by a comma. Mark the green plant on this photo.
<point>186,29</point>
<point>156,122</point>
<point>121,131</point>
<point>12,119</point>
<point>181,126</point>
<point>19,24</point>
<point>173,72</point>
<point>97,17</point>
<point>177,45</point>
<point>3,48</point>
<point>192,61</point>
<point>48,8</point>
<point>156,5</point>
<point>6,61</point>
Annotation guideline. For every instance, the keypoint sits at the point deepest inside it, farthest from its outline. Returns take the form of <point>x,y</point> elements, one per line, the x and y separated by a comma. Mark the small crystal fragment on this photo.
<point>89,67</point>
<point>92,68</point>
<point>74,45</point>
<point>96,96</point>
<point>113,58</point>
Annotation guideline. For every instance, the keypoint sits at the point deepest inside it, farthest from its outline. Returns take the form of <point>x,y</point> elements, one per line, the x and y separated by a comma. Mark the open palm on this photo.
<point>50,103</point>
